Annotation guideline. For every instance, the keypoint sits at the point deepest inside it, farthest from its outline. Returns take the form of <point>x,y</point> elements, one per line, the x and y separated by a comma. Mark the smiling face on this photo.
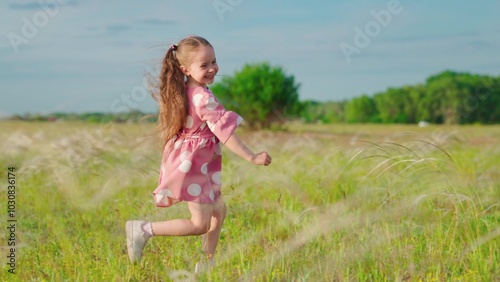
<point>202,67</point>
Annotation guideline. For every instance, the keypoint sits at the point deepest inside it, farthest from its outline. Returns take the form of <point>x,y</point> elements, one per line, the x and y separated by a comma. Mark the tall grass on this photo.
<point>339,203</point>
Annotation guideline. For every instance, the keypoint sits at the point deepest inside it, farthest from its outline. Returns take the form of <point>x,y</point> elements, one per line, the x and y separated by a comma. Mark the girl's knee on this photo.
<point>219,211</point>
<point>201,227</point>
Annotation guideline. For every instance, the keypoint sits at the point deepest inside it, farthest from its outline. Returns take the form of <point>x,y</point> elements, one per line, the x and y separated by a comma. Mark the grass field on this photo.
<point>339,203</point>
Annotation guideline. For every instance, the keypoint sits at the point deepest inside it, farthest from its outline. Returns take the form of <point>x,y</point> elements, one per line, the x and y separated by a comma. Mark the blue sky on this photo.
<point>81,56</point>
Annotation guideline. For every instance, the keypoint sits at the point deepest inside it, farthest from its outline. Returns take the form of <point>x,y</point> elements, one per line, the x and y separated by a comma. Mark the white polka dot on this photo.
<point>211,104</point>
<point>204,168</point>
<point>162,196</point>
<point>159,198</point>
<point>194,190</point>
<point>218,149</point>
<point>203,143</point>
<point>189,122</point>
<point>216,177</point>
<point>210,125</point>
<point>239,120</point>
<point>177,144</point>
<point>185,166</point>
<point>211,195</point>
<point>166,192</point>
<point>197,98</point>
<point>185,155</point>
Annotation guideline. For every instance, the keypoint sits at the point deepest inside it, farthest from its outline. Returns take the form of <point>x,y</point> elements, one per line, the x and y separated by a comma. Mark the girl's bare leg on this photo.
<point>210,239</point>
<point>198,224</point>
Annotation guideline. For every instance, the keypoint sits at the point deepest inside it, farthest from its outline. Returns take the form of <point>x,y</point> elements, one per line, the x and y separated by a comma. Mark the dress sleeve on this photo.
<point>221,122</point>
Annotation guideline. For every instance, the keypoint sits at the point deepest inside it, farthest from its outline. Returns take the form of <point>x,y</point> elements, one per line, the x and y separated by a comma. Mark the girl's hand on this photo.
<point>262,158</point>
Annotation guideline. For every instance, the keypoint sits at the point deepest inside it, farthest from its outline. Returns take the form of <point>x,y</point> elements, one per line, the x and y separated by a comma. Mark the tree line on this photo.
<point>132,116</point>
<point>446,98</point>
<point>267,97</point>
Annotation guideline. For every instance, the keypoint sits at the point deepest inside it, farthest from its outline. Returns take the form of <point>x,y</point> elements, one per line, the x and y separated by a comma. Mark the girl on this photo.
<point>193,124</point>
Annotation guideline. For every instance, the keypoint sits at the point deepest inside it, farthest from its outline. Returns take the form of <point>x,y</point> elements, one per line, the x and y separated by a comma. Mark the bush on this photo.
<point>264,95</point>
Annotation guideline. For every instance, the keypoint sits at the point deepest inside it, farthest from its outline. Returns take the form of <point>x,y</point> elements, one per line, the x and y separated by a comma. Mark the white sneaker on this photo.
<point>136,239</point>
<point>204,266</point>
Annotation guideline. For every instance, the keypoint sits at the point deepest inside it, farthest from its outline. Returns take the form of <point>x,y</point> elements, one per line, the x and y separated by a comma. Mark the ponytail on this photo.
<point>171,89</point>
<point>172,100</point>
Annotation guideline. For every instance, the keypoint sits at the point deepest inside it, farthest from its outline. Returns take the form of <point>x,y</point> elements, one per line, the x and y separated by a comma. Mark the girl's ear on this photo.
<point>185,70</point>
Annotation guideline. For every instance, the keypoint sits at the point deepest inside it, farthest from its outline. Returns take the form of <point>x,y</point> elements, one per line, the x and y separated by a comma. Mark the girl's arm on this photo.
<point>236,146</point>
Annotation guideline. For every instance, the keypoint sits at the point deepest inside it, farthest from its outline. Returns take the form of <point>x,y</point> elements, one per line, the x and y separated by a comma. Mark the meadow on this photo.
<point>338,203</point>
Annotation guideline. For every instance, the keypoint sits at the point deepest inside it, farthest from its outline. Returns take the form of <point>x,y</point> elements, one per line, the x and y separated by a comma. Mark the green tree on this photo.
<point>415,95</point>
<point>361,109</point>
<point>487,97</point>
<point>463,98</point>
<point>327,112</point>
<point>262,94</point>
<point>480,99</point>
<point>310,111</point>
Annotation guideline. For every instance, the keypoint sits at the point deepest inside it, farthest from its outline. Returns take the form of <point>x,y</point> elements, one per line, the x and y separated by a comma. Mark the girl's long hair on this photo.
<point>171,90</point>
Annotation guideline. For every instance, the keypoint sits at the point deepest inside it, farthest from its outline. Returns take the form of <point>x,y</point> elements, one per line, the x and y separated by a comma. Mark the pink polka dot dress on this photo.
<point>192,160</point>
